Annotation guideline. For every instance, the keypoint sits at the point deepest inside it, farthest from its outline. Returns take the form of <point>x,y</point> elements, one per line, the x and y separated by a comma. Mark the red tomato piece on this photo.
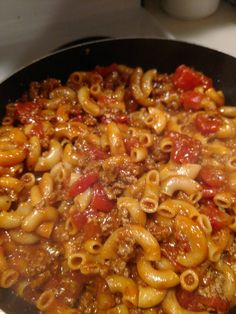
<point>38,130</point>
<point>79,219</point>
<point>218,218</point>
<point>186,78</point>
<point>91,230</point>
<point>106,100</point>
<point>208,192</point>
<point>212,176</point>
<point>215,302</point>
<point>28,112</point>
<point>188,300</point>
<point>206,124</point>
<point>185,148</point>
<point>83,183</point>
<point>171,253</point>
<point>96,153</point>
<point>122,118</point>
<point>191,100</point>
<point>104,71</point>
<point>192,301</point>
<point>100,201</point>
<point>130,143</point>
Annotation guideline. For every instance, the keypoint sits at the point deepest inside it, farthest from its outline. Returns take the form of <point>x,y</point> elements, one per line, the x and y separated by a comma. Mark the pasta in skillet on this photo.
<point>118,194</point>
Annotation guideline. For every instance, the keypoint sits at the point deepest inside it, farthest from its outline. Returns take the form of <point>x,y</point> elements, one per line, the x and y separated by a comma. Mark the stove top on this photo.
<point>72,24</point>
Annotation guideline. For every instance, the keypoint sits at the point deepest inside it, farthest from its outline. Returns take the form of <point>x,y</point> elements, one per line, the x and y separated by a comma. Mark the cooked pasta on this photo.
<point>118,194</point>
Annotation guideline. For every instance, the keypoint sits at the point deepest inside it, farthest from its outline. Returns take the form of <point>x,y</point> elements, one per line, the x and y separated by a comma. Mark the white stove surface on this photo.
<point>32,31</point>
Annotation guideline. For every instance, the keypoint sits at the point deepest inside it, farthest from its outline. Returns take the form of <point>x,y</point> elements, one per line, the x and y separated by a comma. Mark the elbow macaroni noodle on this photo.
<point>118,194</point>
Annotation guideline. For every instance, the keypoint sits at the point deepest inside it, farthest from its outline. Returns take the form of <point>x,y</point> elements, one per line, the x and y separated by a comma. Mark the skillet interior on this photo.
<point>165,55</point>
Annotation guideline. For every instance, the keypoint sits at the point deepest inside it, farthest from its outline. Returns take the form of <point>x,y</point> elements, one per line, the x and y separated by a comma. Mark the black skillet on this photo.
<point>165,55</point>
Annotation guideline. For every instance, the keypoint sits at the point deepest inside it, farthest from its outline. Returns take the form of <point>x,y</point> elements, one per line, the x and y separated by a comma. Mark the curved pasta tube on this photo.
<point>147,82</point>
<point>45,300</point>
<point>228,111</point>
<point>227,130</point>
<point>71,130</point>
<point>142,237</point>
<point>11,183</point>
<point>149,296</point>
<point>5,202</point>
<point>12,157</point>
<point>45,229</point>
<point>46,185</point>
<point>132,206</point>
<point>88,104</point>
<point>34,151</point>
<point>197,241</point>
<point>223,199</point>
<point>50,158</point>
<point>171,207</point>
<point>179,183</point>
<point>216,96</point>
<point>37,216</point>
<point>115,139</point>
<point>21,237</point>
<point>76,261</point>
<point>118,309</point>
<point>63,113</point>
<point>15,153</point>
<point>157,119</point>
<point>63,92</point>
<point>205,223</point>
<point>189,170</point>
<point>189,280</point>
<point>92,246</point>
<point>171,305</point>
<point>139,95</point>
<point>147,241</point>
<point>150,198</point>
<point>8,278</point>
<point>138,154</point>
<point>126,286</point>
<point>35,195</point>
<point>156,278</point>
<point>214,251</point>
<point>10,220</point>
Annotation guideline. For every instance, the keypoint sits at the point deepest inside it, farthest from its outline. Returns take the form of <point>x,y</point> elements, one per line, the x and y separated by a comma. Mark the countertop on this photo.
<point>217,31</point>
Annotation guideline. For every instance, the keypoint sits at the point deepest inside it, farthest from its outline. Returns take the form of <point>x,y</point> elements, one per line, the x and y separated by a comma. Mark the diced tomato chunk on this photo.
<point>79,219</point>
<point>122,118</point>
<point>191,100</point>
<point>186,78</point>
<point>130,143</point>
<point>38,129</point>
<point>212,176</point>
<point>185,148</point>
<point>216,303</point>
<point>97,153</point>
<point>171,253</point>
<point>192,301</point>
<point>208,192</point>
<point>106,100</point>
<point>91,230</point>
<point>100,201</point>
<point>104,71</point>
<point>207,124</point>
<point>28,112</point>
<point>218,218</point>
<point>83,183</point>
